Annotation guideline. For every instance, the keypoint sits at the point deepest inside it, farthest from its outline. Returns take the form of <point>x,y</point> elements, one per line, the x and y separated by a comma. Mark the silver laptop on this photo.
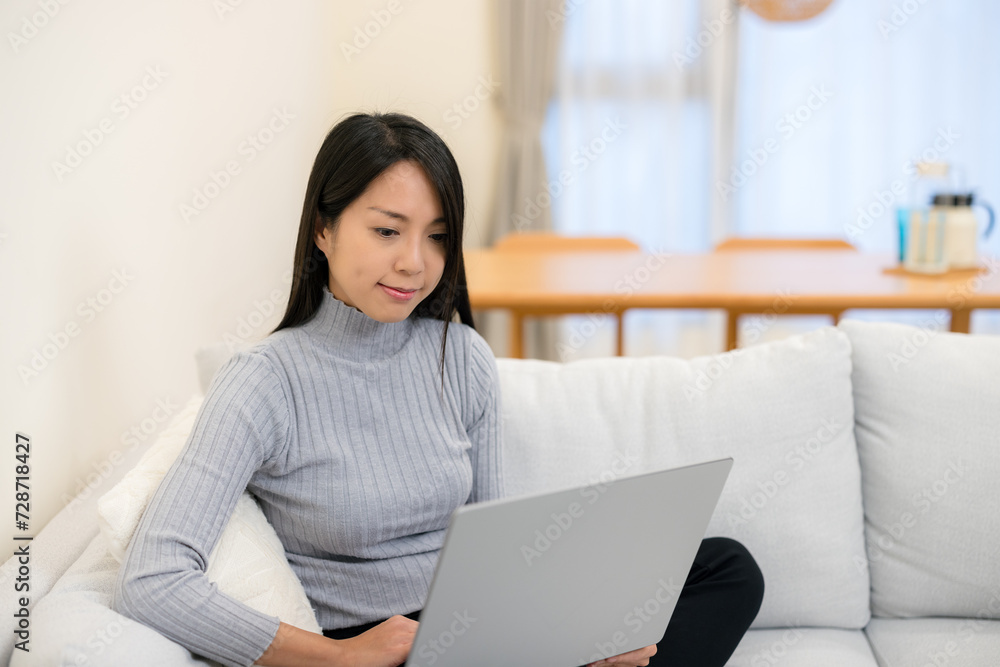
<point>566,578</point>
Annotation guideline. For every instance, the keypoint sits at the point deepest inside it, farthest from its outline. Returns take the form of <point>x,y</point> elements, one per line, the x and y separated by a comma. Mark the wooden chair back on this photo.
<point>550,242</point>
<point>749,243</point>
<point>742,244</point>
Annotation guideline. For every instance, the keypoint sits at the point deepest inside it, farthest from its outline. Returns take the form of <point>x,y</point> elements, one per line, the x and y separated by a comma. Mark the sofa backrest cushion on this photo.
<point>782,410</point>
<point>928,429</point>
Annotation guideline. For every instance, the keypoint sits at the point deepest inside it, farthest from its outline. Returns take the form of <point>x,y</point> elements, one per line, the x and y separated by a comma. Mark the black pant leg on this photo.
<point>720,598</point>
<point>347,633</point>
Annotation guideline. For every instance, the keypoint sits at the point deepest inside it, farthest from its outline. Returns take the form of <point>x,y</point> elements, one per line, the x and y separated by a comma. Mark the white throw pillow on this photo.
<point>928,431</point>
<point>782,410</point>
<point>248,563</point>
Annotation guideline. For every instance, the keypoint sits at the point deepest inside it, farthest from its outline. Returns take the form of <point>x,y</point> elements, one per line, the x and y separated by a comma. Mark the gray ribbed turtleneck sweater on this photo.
<point>341,430</point>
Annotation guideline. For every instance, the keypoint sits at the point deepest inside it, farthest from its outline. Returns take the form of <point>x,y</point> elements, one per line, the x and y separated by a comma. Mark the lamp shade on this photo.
<point>786,10</point>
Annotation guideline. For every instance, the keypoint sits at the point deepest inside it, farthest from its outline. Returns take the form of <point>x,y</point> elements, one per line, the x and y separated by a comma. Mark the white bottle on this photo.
<point>961,229</point>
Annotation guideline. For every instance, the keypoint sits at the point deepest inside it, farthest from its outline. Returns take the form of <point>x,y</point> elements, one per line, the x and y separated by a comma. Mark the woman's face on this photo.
<point>387,252</point>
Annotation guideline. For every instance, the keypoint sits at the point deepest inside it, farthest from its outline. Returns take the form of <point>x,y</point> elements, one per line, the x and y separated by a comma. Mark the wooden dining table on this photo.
<point>784,282</point>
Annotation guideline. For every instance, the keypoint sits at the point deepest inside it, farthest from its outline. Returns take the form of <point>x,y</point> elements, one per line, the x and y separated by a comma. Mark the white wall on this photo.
<point>104,283</point>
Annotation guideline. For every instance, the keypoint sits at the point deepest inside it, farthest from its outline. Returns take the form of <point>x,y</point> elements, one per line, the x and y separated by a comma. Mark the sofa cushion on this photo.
<point>969,642</point>
<point>804,647</point>
<point>927,421</point>
<point>782,410</point>
<point>75,625</point>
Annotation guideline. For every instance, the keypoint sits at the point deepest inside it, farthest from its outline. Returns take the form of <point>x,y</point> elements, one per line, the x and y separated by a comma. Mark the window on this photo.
<point>829,113</point>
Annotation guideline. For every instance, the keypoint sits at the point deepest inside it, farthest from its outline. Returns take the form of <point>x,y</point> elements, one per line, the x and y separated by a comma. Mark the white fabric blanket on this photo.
<point>75,625</point>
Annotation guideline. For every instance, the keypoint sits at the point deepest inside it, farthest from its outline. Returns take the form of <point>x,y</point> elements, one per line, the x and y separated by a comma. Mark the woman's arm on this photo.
<point>486,428</point>
<point>385,645</point>
<point>162,583</point>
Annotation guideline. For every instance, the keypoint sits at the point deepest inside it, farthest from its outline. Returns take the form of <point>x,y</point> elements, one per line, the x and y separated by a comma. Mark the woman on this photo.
<point>360,423</point>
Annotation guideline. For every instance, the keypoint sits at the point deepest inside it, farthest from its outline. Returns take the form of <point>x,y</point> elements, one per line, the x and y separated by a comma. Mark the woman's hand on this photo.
<point>385,645</point>
<point>637,658</point>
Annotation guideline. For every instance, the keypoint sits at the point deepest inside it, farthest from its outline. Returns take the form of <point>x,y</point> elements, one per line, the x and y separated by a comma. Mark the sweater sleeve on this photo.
<point>242,423</point>
<point>486,431</point>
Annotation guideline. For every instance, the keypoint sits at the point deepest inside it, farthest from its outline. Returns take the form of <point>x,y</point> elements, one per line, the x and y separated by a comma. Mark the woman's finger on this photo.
<point>637,658</point>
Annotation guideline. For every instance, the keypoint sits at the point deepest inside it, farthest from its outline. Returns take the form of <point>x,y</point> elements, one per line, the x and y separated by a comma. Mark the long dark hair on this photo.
<point>355,152</point>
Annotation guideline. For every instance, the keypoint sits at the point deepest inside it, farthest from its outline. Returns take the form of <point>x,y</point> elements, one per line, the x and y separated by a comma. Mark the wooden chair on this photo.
<point>746,244</point>
<point>550,242</point>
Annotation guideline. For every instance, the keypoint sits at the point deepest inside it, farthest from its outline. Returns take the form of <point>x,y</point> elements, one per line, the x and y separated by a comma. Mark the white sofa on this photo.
<point>866,482</point>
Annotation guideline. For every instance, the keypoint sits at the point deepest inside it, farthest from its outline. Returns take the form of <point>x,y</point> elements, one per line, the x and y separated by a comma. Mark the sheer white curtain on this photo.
<point>885,88</point>
<point>832,109</point>
<point>643,102</point>
<point>528,36</point>
<point>850,100</point>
